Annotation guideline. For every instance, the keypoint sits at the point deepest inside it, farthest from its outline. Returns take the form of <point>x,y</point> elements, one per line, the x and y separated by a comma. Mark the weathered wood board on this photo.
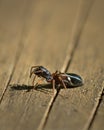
<point>11,31</point>
<point>75,110</point>
<point>44,41</point>
<point>41,33</point>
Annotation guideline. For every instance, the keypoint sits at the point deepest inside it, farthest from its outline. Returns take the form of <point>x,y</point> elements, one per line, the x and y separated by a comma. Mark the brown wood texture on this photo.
<point>77,109</point>
<point>60,35</point>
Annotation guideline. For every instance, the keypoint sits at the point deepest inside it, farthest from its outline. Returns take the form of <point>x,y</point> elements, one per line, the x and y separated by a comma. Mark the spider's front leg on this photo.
<point>31,70</point>
<point>34,72</point>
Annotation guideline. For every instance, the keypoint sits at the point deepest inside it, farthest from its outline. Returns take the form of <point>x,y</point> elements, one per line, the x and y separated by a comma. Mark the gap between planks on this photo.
<point>94,110</point>
<point>18,53</point>
<point>81,18</point>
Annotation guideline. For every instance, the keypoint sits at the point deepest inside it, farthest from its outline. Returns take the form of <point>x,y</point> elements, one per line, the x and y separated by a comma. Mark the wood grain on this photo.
<point>60,35</point>
<point>44,41</point>
<point>77,108</point>
<point>98,122</point>
<point>11,30</point>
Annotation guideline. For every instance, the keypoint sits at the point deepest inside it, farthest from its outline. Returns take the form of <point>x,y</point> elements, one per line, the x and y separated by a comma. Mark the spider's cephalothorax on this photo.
<point>57,78</point>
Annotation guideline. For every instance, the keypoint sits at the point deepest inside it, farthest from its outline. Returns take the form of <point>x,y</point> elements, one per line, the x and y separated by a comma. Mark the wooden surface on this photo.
<point>60,35</point>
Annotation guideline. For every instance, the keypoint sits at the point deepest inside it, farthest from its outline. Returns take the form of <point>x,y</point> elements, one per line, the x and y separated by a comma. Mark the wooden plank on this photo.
<point>45,43</point>
<point>98,122</point>
<point>11,28</point>
<point>76,109</point>
<point>82,15</point>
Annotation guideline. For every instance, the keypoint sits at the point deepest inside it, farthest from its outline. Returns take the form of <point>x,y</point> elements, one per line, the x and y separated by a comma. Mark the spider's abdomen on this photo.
<point>74,79</point>
<point>71,79</point>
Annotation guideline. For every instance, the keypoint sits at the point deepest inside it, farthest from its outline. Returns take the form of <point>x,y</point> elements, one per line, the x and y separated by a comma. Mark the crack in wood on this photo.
<point>18,53</point>
<point>94,111</point>
<point>12,72</point>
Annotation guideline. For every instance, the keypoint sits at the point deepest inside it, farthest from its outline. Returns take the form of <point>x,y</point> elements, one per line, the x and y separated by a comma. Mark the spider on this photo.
<point>57,78</point>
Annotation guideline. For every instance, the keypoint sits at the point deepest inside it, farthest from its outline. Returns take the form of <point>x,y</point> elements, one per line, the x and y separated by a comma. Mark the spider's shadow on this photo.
<point>38,87</point>
<point>28,87</point>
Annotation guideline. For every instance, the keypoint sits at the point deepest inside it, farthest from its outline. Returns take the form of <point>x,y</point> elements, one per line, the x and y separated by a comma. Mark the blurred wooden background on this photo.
<point>66,35</point>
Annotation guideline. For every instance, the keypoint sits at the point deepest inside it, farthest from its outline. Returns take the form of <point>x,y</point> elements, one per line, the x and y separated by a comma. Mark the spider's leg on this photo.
<point>32,68</point>
<point>31,72</point>
<point>60,78</point>
<point>53,85</point>
<point>34,86</point>
<point>33,80</point>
